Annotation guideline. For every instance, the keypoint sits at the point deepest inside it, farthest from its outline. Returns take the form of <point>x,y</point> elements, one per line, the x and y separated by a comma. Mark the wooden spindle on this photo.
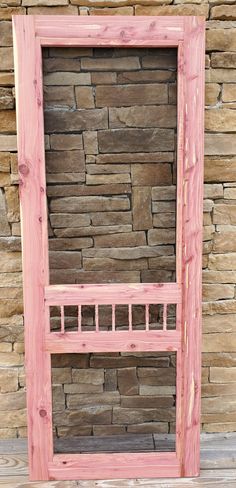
<point>164,316</point>
<point>96,318</point>
<point>147,316</point>
<point>113,318</point>
<point>62,320</point>
<point>79,319</point>
<point>130,317</point>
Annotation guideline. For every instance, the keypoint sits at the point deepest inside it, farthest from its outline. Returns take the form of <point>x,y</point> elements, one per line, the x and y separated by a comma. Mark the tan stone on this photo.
<point>129,253</point>
<point>7,12</point>
<point>88,204</point>
<point>65,161</point>
<point>145,76</point>
<point>121,96</point>
<point>140,415</point>
<point>224,214</point>
<point>141,207</point>
<point>223,262</point>
<point>85,388</point>
<point>223,60</point>
<point>8,433</point>
<point>10,261</point>
<point>225,359</point>
<point>212,91</point>
<point>13,418</point>
<point>90,376</point>
<point>110,64</point>
<point>144,116</point>
<point>223,375</point>
<point>4,225</point>
<point>149,428</point>
<point>111,218</point>
<point>121,240</point>
<point>116,3</point>
<point>135,140</point>
<point>161,236</point>
<point>13,401</point>
<point>63,64</point>
<point>104,169</point>
<point>96,264</point>
<point>220,75</point>
<point>127,158</point>
<point>58,398</point>
<point>106,398</point>
<point>217,291</point>
<point>222,306</point>
<point>111,11</point>
<point>173,10</point>
<point>210,276</point>
<point>74,431</point>
<point>67,78</point>
<point>69,220</point>
<point>164,207</point>
<point>8,380</point>
<point>230,193</point>
<point>72,244</point>
<point>220,169</point>
<point>215,405</point>
<point>8,121</point>
<point>164,193</point>
<point>104,430</point>
<point>164,220</point>
<point>229,93</point>
<point>6,56</point>
<point>155,276</point>
<point>6,79</point>
<point>157,376</point>
<point>219,343</point>
<point>223,12</point>
<point>41,3</point>
<point>219,322</point>
<point>65,178</point>
<point>150,174</point>
<point>61,375</point>
<point>84,415</point>
<point>81,119</point>
<point>219,427</point>
<point>221,39</point>
<point>216,390</point>
<point>93,231</point>
<point>4,179</point>
<point>84,190</point>
<point>5,34</point>
<point>6,99</point>
<point>108,178</point>
<point>58,97</point>
<point>65,259</point>
<point>84,97</point>
<point>222,120</point>
<point>4,162</point>
<point>147,402</point>
<point>13,206</point>
<point>213,191</point>
<point>61,10</point>
<point>66,142</point>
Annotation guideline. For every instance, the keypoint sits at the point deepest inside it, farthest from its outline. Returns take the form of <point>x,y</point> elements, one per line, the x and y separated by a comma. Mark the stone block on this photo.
<point>58,97</point>
<point>58,398</point>
<point>10,261</point>
<point>107,179</point>
<point>73,244</point>
<point>69,220</point>
<point>210,276</point>
<point>110,64</point>
<point>220,145</point>
<point>13,401</point>
<point>141,207</point>
<point>128,253</point>
<point>4,225</point>
<point>99,264</point>
<point>230,193</point>
<point>110,380</point>
<point>111,218</point>
<point>146,76</point>
<point>67,79</point>
<point>212,91</point>
<point>105,398</point>
<point>164,193</point>
<point>223,262</point>
<point>219,322</point>
<point>84,415</point>
<point>157,376</point>
<point>140,415</point>
<point>13,205</point>
<point>217,291</point>
<point>84,190</point>
<point>90,142</point>
<point>223,60</point>
<point>129,95</point>
<point>222,120</point>
<point>90,376</point>
<point>6,98</point>
<point>132,157</point>
<point>229,93</point>
<point>65,259</point>
<point>8,121</point>
<point>163,236</point>
<point>6,57</point>
<point>143,116</point>
<point>92,119</point>
<point>128,239</point>
<point>220,170</point>
<point>149,428</point>
<point>136,140</point>
<point>224,214</point>
<point>127,381</point>
<point>223,12</point>
<point>84,97</point>
<point>61,375</point>
<point>13,418</point>
<point>220,75</point>
<point>220,343</point>
<point>93,231</point>
<point>66,142</point>
<point>165,220</point>
<point>223,375</point>
<point>64,64</point>
<point>85,388</point>
<point>146,402</point>
<point>213,191</point>
<point>104,430</point>
<point>164,207</point>
<point>65,161</point>
<point>201,10</point>
<point>156,276</point>
<point>8,380</point>
<point>103,78</point>
<point>221,40</point>
<point>151,174</point>
<point>89,204</point>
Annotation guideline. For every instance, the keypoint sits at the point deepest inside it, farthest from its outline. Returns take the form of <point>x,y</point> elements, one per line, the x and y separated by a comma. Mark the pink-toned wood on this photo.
<point>113,319</point>
<point>28,75</point>
<point>115,465</point>
<point>186,33</point>
<point>96,318</point>
<point>165,316</point>
<point>130,317</point>
<point>125,31</point>
<point>147,316</point>
<point>113,341</point>
<point>62,320</point>
<point>193,103</point>
<point>117,293</point>
<point>79,319</point>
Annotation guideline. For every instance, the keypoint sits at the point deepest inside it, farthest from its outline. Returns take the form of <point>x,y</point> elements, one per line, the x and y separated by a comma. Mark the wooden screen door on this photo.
<point>31,33</point>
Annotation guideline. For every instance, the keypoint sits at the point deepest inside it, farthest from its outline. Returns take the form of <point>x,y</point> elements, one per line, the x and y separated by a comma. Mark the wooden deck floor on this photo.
<point>218,466</point>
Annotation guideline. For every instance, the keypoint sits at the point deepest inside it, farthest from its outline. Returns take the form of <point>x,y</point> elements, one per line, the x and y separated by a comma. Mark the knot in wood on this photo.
<point>23,169</point>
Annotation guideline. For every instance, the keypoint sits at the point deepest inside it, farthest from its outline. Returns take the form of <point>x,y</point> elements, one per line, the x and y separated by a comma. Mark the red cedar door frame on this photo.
<point>31,33</point>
